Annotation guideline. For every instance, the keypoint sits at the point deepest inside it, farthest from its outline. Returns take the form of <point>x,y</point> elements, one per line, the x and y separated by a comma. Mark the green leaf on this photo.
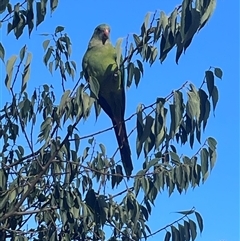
<point>2,52</point>
<point>118,48</point>
<point>137,76</point>
<point>53,4</point>
<point>9,7</point>
<point>208,11</point>
<point>186,17</point>
<point>178,170</point>
<point>136,185</point>
<point>119,172</point>
<point>64,99</point>
<point>145,185</point>
<point>213,157</point>
<point>214,97</point>
<point>9,69</point>
<point>195,21</point>
<point>74,65</point>
<point>157,31</point>
<point>140,66</point>
<point>210,81</point>
<point>22,52</point>
<point>136,39</point>
<point>45,44</point>
<point>173,20</point>
<point>200,221</point>
<point>103,149</point>
<point>174,158</point>
<point>147,128</point>
<point>212,143</point>
<point>47,55</point>
<point>193,105</point>
<point>26,72</point>
<point>146,20</point>
<point>16,17</point>
<point>204,162</point>
<point>179,43</point>
<point>149,143</point>
<point>50,67</point>
<point>140,127</point>
<point>18,30</point>
<point>9,28</point>
<point>30,16</point>
<point>206,115</point>
<point>130,73</point>
<point>218,73</point>
<point>154,54</point>
<point>144,212</point>
<point>41,11</point>
<point>203,98</point>
<point>21,150</point>
<point>176,111</point>
<point>160,122</point>
<point>153,162</point>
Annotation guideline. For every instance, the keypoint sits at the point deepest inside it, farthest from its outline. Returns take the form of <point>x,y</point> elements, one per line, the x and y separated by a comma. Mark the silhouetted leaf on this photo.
<point>167,236</point>
<point>41,11</point>
<point>218,73</point>
<point>175,233</point>
<point>204,162</point>
<point>200,221</point>
<point>130,73</point>
<point>187,230</point>
<point>140,66</point>
<point>137,76</point>
<point>210,81</point>
<point>59,29</point>
<point>3,5</point>
<point>2,52</point>
<point>193,229</point>
<point>214,97</point>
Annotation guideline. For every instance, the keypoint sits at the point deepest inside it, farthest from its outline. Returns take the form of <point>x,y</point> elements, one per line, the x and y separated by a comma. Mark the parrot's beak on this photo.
<point>106,32</point>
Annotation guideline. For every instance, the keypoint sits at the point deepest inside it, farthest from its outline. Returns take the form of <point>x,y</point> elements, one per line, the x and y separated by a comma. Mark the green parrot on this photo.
<point>100,63</point>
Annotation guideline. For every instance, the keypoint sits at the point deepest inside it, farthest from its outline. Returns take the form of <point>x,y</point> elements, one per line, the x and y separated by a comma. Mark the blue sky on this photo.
<point>217,44</point>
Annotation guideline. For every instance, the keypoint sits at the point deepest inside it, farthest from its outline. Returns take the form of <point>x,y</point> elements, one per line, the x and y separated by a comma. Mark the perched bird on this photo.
<point>100,63</point>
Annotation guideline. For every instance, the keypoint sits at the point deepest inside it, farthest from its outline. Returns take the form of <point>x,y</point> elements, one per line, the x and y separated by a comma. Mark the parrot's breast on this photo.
<point>101,62</point>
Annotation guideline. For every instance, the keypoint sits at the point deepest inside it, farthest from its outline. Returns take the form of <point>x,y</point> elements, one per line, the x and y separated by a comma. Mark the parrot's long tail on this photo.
<point>125,152</point>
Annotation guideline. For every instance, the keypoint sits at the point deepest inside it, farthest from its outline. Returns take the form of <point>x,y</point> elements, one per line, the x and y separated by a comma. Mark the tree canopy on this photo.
<point>67,188</point>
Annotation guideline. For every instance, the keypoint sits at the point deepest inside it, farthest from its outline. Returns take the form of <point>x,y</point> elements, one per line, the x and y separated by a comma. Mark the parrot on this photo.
<point>100,63</point>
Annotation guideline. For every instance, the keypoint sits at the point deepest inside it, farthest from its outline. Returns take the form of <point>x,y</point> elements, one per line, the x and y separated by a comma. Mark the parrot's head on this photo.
<point>101,34</point>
